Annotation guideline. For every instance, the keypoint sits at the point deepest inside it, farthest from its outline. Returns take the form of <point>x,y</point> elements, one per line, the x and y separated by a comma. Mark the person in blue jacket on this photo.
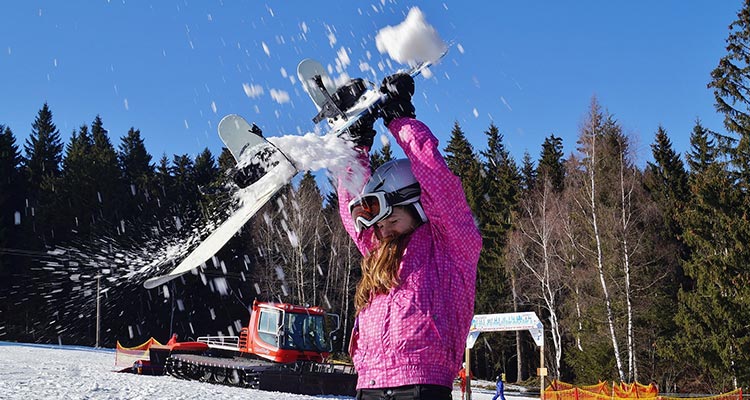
<point>500,388</point>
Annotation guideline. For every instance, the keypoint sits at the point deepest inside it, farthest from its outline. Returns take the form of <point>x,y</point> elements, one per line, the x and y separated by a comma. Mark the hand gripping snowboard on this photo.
<point>266,169</point>
<point>343,106</point>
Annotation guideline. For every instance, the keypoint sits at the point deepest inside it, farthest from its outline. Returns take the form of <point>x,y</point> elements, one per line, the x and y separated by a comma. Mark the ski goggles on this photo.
<point>369,209</point>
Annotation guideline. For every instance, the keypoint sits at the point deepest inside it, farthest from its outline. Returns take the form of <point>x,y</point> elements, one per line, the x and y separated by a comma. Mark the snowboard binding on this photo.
<point>256,168</point>
<point>343,99</point>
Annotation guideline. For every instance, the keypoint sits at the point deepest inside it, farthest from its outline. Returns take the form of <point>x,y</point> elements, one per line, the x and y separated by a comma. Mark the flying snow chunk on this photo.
<point>506,103</point>
<point>221,285</point>
<point>342,57</point>
<point>252,91</point>
<point>265,49</point>
<point>364,67</point>
<point>279,96</point>
<point>411,42</point>
<point>331,36</point>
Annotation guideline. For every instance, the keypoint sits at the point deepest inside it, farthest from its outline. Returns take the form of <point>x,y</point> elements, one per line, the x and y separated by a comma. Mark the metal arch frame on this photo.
<point>522,321</point>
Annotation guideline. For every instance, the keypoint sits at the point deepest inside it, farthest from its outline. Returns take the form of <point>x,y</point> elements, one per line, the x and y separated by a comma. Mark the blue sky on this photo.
<point>173,68</point>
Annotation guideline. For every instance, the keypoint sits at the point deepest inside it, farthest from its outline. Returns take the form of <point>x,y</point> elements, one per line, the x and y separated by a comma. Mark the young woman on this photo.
<point>420,244</point>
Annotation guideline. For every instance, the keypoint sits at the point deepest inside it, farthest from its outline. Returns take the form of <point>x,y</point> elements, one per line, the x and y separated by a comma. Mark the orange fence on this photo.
<point>604,391</point>
<point>126,356</point>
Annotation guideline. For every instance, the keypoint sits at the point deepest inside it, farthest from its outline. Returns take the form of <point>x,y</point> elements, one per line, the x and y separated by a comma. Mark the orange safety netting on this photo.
<point>634,391</point>
<point>600,388</point>
<point>603,391</point>
<point>126,356</point>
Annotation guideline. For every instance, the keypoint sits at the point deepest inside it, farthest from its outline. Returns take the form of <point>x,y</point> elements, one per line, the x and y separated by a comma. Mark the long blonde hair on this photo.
<point>380,271</point>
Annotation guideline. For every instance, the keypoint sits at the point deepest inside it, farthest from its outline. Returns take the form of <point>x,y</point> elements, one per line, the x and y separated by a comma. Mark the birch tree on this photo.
<point>628,219</point>
<point>536,245</point>
<point>588,205</point>
<point>303,226</point>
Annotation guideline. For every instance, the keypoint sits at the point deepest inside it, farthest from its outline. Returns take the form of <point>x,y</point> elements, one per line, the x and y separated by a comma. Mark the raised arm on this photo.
<point>442,198</point>
<point>348,188</point>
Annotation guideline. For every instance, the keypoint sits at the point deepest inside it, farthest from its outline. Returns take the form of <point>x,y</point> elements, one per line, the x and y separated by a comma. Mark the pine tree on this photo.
<point>11,196</point>
<point>732,94</point>
<point>186,190</point>
<point>10,157</point>
<point>10,176</point>
<point>714,311</point>
<point>668,178</point>
<point>703,150</point>
<point>717,223</point>
<point>135,162</point>
<point>500,188</point>
<point>461,159</point>
<point>381,157</point>
<point>551,166</point>
<point>164,186</point>
<point>138,177</point>
<point>110,190</point>
<point>226,160</point>
<point>208,180</point>
<point>205,170</point>
<point>43,149</point>
<point>528,173</point>
<point>79,180</point>
<point>667,182</point>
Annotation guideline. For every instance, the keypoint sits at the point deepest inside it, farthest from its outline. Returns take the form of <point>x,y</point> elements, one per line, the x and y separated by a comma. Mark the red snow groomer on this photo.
<point>283,348</point>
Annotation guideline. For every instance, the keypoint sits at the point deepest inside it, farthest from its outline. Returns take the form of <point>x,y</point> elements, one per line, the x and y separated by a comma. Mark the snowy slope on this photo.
<point>42,372</point>
<point>70,372</point>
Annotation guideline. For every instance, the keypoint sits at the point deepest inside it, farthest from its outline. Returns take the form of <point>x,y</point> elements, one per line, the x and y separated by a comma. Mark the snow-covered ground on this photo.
<point>72,372</point>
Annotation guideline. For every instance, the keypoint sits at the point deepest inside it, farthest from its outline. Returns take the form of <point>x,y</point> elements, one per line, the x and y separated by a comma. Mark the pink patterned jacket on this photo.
<point>416,334</point>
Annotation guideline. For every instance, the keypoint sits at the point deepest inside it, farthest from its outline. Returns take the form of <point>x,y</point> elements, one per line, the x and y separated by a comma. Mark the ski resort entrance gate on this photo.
<point>523,321</point>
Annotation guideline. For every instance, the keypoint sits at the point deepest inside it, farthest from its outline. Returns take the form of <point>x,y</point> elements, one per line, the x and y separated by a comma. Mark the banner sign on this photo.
<point>508,322</point>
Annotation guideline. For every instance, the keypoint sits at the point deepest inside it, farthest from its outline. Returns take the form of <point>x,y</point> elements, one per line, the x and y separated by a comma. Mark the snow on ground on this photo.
<point>32,371</point>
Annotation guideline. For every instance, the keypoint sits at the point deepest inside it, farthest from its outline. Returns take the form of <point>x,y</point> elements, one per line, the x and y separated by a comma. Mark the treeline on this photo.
<point>638,273</point>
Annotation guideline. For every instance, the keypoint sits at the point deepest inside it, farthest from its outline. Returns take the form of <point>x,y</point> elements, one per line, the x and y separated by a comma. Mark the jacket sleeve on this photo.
<point>442,197</point>
<point>364,240</point>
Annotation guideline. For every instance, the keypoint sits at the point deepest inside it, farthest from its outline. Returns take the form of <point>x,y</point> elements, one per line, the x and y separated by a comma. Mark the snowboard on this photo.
<point>267,170</point>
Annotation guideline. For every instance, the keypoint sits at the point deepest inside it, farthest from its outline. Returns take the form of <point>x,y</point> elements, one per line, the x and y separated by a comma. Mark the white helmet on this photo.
<point>392,184</point>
